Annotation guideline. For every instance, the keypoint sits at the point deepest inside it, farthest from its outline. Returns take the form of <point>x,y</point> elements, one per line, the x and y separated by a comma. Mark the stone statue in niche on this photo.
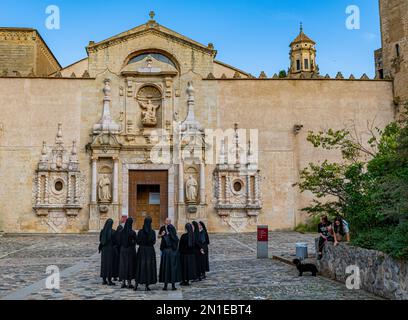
<point>149,118</point>
<point>149,99</point>
<point>104,189</point>
<point>191,189</point>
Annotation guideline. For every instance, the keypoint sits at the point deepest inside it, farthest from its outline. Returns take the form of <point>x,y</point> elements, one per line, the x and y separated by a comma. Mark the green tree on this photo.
<point>369,187</point>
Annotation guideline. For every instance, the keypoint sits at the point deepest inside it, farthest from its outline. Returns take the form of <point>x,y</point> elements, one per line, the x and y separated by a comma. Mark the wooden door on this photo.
<point>148,204</point>
<point>148,196</point>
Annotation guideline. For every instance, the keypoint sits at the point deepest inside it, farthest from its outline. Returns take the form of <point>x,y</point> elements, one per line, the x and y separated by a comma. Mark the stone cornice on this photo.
<point>48,54</point>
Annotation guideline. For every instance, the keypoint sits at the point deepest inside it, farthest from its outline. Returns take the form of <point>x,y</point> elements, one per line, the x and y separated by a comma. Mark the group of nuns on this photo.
<point>182,260</point>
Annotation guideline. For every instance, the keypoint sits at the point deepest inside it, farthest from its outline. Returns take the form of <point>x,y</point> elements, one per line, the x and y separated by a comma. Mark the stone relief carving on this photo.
<point>58,183</point>
<point>149,99</point>
<point>149,118</point>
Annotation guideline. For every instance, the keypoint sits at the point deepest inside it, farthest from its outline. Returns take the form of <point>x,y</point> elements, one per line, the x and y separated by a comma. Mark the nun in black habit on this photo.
<point>106,247</point>
<point>146,267</point>
<point>116,253</point>
<point>205,241</point>
<point>127,264</point>
<point>199,252</point>
<point>170,271</point>
<point>187,256</point>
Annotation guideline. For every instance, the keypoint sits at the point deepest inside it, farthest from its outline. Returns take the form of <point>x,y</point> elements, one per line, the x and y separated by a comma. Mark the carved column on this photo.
<point>69,194</point>
<point>94,180</point>
<point>181,182</point>
<point>227,189</point>
<point>115,181</point>
<point>220,189</point>
<point>249,196</point>
<point>38,200</point>
<point>202,183</point>
<point>76,184</point>
<point>257,189</point>
<point>46,192</point>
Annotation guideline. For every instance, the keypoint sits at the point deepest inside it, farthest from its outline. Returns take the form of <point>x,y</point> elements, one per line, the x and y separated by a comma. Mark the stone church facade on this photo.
<point>150,123</point>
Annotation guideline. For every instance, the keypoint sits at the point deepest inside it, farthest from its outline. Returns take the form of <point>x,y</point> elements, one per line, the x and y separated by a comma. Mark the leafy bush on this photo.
<point>392,240</point>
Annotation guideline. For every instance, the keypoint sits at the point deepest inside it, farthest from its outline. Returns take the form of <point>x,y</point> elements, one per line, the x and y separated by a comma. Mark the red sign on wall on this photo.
<point>263,234</point>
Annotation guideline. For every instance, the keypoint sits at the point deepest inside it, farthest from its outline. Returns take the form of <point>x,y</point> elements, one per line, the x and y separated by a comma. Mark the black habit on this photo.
<point>205,241</point>
<point>162,229</point>
<point>127,264</point>
<point>198,251</point>
<point>170,271</point>
<point>146,267</point>
<point>116,253</point>
<point>187,255</point>
<point>106,247</point>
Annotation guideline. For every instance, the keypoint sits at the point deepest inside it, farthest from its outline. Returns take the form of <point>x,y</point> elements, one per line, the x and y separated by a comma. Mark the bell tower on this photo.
<point>394,31</point>
<point>302,57</point>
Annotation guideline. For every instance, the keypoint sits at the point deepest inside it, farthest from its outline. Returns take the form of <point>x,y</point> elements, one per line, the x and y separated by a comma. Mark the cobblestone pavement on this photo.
<point>235,273</point>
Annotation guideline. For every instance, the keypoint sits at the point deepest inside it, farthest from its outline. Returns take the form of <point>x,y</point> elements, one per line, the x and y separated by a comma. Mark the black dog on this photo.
<point>308,267</point>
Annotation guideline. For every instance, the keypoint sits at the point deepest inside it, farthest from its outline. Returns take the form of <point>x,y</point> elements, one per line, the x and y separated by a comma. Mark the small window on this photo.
<point>154,198</point>
<point>306,63</point>
<point>59,186</point>
<point>238,186</point>
<point>397,49</point>
<point>297,64</point>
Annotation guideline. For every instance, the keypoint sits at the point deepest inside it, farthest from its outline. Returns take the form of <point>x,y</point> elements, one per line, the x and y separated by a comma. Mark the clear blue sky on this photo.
<point>253,35</point>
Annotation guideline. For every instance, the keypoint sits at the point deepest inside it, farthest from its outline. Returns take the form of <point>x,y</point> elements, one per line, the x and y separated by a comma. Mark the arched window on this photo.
<point>154,55</point>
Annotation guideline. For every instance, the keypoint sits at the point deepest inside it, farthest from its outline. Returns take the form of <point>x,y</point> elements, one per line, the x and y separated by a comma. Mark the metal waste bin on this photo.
<point>301,251</point>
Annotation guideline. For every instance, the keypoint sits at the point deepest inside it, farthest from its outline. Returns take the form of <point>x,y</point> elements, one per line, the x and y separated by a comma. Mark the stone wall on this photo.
<point>30,112</point>
<point>24,52</point>
<point>282,110</point>
<point>31,109</point>
<point>394,29</point>
<point>380,274</point>
<point>275,108</point>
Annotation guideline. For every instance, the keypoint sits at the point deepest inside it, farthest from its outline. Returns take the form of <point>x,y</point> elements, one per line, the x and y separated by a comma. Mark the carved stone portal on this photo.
<point>59,185</point>
<point>237,189</point>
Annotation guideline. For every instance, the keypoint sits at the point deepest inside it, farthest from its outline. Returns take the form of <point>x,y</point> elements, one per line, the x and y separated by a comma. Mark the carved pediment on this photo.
<point>151,28</point>
<point>105,141</point>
